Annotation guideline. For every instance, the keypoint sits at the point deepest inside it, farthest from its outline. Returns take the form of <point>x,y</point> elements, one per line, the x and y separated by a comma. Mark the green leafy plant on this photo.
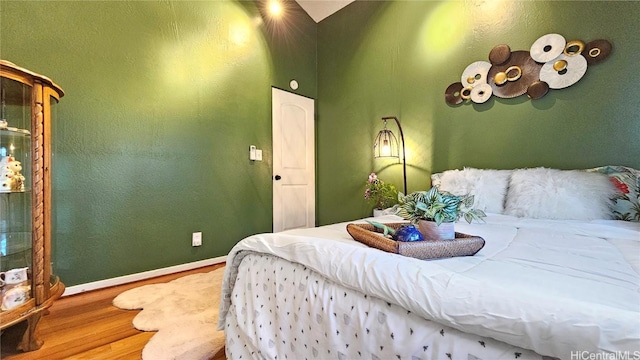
<point>438,206</point>
<point>380,194</point>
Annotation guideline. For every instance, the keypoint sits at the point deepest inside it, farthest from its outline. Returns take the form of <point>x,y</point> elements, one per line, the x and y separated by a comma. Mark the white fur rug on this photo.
<point>184,312</point>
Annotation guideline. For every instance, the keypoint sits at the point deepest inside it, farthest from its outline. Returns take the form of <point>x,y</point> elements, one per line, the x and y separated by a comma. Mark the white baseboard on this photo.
<point>101,284</point>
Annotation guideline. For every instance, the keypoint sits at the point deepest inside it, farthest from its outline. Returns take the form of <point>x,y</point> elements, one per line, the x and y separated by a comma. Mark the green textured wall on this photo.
<point>163,99</point>
<point>151,142</point>
<point>397,58</point>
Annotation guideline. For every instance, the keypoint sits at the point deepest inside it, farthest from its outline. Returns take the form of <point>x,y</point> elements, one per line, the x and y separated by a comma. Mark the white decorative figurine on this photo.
<point>10,177</point>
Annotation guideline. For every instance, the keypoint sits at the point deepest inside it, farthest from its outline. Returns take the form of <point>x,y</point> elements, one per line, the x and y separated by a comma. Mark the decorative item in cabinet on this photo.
<point>28,286</point>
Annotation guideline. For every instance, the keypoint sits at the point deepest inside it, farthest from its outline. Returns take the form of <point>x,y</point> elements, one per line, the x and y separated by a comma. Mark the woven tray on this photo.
<point>462,245</point>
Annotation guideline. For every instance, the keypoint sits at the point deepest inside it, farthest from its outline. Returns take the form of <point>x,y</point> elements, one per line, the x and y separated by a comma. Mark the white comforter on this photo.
<point>556,287</point>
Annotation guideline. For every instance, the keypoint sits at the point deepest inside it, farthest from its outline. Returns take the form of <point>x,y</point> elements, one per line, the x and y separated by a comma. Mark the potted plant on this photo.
<point>435,211</point>
<point>380,194</point>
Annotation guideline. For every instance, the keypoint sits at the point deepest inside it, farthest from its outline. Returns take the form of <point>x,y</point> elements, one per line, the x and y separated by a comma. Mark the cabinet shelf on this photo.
<point>11,131</point>
<point>14,243</point>
<point>15,191</point>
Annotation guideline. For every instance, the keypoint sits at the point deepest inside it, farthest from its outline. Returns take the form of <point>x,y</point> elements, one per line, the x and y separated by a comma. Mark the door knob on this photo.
<point>278,177</point>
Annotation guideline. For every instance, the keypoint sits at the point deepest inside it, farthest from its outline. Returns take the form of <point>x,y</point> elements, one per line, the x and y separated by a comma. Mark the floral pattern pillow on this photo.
<point>626,204</point>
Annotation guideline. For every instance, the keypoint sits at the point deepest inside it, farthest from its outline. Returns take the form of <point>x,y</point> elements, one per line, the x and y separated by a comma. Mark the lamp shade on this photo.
<point>386,144</point>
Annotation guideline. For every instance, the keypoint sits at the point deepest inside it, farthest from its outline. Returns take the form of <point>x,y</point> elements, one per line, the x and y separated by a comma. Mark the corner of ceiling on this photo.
<point>321,9</point>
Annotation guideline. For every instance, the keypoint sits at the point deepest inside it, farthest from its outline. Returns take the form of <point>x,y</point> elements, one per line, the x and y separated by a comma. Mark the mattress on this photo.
<point>538,288</point>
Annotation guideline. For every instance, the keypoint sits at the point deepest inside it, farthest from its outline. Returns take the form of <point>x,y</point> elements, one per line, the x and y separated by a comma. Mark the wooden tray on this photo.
<point>462,245</point>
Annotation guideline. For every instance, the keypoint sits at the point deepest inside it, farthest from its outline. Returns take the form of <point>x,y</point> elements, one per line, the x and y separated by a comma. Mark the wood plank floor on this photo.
<point>87,326</point>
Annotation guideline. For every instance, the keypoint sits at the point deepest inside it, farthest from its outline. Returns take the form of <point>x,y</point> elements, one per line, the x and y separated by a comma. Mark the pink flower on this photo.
<point>367,193</point>
<point>373,177</point>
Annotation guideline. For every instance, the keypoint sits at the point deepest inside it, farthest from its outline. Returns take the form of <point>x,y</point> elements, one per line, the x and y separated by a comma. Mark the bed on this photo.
<point>558,277</point>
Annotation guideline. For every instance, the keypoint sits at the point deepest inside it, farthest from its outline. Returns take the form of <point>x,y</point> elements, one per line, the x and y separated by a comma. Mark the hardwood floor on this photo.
<point>87,326</point>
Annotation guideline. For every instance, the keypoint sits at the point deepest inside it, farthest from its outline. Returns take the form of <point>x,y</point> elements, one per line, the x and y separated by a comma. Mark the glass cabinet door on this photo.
<point>15,185</point>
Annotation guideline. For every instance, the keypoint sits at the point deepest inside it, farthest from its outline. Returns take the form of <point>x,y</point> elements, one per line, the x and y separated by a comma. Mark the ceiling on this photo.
<point>320,9</point>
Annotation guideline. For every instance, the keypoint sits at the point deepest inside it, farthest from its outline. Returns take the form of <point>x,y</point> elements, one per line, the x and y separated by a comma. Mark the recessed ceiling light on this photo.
<point>275,8</point>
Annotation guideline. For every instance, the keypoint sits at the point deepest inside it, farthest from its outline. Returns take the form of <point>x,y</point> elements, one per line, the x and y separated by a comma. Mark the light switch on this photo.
<point>255,154</point>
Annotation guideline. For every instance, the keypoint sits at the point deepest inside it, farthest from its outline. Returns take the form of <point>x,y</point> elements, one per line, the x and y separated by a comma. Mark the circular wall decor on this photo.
<point>560,65</point>
<point>547,47</point>
<point>513,73</point>
<point>551,63</point>
<point>481,93</point>
<point>537,90</point>
<point>574,47</point>
<point>596,51</point>
<point>475,73</point>
<point>453,94</point>
<point>576,67</point>
<point>499,54</point>
<point>465,93</point>
<point>528,73</point>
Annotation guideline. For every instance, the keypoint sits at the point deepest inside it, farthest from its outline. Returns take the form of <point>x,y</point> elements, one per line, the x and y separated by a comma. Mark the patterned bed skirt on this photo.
<point>283,310</point>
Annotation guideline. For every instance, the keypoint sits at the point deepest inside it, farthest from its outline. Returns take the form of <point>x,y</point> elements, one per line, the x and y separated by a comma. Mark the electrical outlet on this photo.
<point>196,239</point>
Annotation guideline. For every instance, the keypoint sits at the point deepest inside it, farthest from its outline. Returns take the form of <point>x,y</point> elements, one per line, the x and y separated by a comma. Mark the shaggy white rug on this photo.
<point>184,312</point>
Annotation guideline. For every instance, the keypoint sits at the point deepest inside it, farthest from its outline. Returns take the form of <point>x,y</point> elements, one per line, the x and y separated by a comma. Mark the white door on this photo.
<point>294,190</point>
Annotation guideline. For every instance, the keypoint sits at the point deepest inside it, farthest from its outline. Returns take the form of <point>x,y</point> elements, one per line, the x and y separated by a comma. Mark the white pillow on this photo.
<point>544,193</point>
<point>488,187</point>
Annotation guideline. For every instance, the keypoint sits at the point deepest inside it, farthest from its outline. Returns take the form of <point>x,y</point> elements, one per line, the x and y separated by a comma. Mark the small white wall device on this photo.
<point>255,154</point>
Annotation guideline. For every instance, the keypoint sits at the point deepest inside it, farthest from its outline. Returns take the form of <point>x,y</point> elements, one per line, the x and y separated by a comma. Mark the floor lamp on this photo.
<point>386,145</point>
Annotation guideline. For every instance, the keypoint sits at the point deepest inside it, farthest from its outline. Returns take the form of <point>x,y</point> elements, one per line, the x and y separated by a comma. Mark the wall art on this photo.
<point>551,63</point>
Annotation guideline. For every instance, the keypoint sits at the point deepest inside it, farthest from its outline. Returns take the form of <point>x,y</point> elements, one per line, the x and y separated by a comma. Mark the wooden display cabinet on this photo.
<point>28,285</point>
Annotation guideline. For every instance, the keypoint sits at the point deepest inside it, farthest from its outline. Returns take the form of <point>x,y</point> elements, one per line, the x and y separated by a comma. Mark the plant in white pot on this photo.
<point>435,211</point>
<point>380,194</point>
